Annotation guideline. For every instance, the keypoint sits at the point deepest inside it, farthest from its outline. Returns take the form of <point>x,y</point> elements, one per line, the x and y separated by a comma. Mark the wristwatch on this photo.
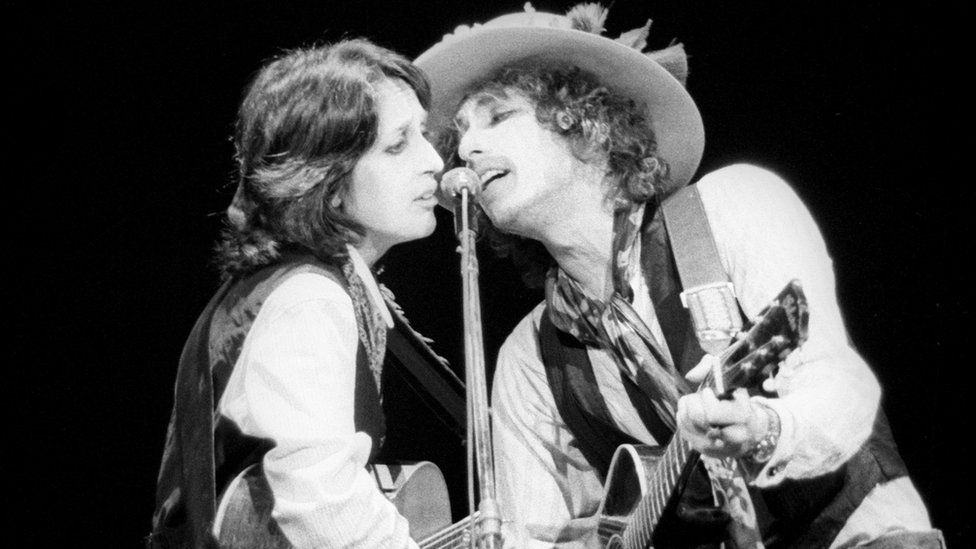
<point>763,450</point>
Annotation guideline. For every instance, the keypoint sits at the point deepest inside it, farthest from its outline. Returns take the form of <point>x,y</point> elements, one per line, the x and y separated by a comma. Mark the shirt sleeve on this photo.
<point>294,383</point>
<point>827,395</point>
<point>546,490</point>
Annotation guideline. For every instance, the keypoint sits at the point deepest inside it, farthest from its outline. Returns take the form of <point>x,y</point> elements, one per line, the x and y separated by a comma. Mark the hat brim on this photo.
<point>464,59</point>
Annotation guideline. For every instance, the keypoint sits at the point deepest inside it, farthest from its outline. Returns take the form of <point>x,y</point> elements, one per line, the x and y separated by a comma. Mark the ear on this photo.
<point>564,120</point>
<point>240,209</point>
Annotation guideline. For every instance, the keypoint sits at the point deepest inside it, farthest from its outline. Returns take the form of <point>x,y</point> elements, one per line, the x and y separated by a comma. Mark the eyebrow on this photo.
<point>481,100</point>
<point>404,128</point>
<point>400,131</point>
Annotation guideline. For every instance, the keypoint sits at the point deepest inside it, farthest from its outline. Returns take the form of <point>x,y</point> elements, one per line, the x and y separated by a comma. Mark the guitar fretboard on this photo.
<point>664,479</point>
<point>455,536</point>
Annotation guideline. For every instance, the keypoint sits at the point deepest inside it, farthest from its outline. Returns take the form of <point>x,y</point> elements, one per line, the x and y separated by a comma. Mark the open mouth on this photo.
<point>490,176</point>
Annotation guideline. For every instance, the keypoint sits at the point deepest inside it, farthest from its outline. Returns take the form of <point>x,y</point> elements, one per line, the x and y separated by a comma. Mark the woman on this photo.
<point>335,169</point>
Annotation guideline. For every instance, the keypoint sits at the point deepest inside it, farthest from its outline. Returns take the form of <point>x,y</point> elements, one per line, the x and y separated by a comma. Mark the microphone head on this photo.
<point>454,181</point>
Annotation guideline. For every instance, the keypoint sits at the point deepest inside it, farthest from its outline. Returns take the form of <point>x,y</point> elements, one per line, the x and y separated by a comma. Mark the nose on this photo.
<point>432,161</point>
<point>470,144</point>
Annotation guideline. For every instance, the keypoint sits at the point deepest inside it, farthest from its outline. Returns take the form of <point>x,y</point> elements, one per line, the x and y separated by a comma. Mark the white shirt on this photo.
<point>294,383</point>
<point>828,396</point>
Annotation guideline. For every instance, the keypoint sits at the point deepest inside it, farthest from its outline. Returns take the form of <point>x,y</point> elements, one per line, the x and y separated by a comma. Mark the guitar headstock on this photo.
<point>779,329</point>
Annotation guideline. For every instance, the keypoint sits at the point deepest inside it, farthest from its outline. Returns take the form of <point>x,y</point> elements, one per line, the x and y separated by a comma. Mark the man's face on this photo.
<point>523,165</point>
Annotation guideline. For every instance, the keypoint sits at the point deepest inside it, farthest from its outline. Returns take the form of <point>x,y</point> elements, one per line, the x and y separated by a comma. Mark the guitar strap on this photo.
<point>708,293</point>
<point>709,296</point>
<point>426,373</point>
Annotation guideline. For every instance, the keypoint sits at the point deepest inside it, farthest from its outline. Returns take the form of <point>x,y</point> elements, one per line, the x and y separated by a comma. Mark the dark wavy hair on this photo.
<point>306,118</point>
<point>598,124</point>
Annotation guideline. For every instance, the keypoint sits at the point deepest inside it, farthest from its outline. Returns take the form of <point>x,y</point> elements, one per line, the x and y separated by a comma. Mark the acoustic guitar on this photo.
<point>641,480</point>
<point>418,490</point>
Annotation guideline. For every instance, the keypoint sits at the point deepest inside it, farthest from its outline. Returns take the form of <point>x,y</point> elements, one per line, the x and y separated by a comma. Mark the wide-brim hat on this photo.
<point>473,54</point>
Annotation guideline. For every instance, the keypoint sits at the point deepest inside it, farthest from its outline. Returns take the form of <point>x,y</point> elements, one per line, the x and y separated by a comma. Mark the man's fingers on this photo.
<point>693,410</point>
<point>736,435</point>
<point>720,413</point>
<point>698,373</point>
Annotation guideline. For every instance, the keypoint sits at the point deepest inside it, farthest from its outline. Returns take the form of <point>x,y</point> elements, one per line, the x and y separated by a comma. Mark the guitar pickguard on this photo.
<point>628,480</point>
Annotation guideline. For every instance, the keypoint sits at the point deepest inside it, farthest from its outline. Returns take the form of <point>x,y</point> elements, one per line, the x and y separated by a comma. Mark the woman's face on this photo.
<point>392,190</point>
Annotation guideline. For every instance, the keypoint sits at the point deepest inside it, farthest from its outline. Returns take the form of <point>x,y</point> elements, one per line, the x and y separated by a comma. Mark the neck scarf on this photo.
<point>372,316</point>
<point>613,325</point>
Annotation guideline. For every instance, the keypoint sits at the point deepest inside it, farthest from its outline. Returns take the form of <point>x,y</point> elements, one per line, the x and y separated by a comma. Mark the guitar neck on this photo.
<point>664,480</point>
<point>455,536</point>
<point>662,483</point>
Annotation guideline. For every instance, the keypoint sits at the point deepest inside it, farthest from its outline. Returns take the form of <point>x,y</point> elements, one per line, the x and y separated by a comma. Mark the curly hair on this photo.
<point>306,119</point>
<point>599,125</point>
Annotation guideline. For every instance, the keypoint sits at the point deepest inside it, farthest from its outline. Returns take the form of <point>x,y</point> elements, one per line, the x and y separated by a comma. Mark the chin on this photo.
<point>429,225</point>
<point>421,229</point>
<point>502,220</point>
<point>428,231</point>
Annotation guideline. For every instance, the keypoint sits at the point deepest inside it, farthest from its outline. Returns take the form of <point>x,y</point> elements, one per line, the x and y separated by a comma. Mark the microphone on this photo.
<point>458,188</point>
<point>458,179</point>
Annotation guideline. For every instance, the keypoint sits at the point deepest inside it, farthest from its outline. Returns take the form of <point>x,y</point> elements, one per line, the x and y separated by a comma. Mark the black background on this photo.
<point>119,118</point>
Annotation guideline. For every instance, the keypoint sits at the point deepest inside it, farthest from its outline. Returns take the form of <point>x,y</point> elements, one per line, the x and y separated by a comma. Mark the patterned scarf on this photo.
<point>369,322</point>
<point>614,325</point>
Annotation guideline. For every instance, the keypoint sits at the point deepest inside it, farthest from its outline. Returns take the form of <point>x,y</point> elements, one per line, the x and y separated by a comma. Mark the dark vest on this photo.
<point>191,477</point>
<point>807,513</point>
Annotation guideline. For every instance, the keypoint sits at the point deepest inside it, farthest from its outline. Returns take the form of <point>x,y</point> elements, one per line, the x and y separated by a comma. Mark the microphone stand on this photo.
<point>487,526</point>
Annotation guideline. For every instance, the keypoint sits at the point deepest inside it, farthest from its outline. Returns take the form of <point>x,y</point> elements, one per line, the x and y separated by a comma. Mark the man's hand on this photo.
<point>721,428</point>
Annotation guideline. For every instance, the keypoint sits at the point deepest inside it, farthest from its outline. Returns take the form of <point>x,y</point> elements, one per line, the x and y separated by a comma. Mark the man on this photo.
<point>578,139</point>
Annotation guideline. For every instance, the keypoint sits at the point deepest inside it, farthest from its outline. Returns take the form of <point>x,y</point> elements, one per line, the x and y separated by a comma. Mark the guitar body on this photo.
<point>628,480</point>
<point>419,493</point>
<point>243,519</point>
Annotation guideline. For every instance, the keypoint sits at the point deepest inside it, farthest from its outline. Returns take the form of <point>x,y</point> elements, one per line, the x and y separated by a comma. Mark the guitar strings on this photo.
<point>451,537</point>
